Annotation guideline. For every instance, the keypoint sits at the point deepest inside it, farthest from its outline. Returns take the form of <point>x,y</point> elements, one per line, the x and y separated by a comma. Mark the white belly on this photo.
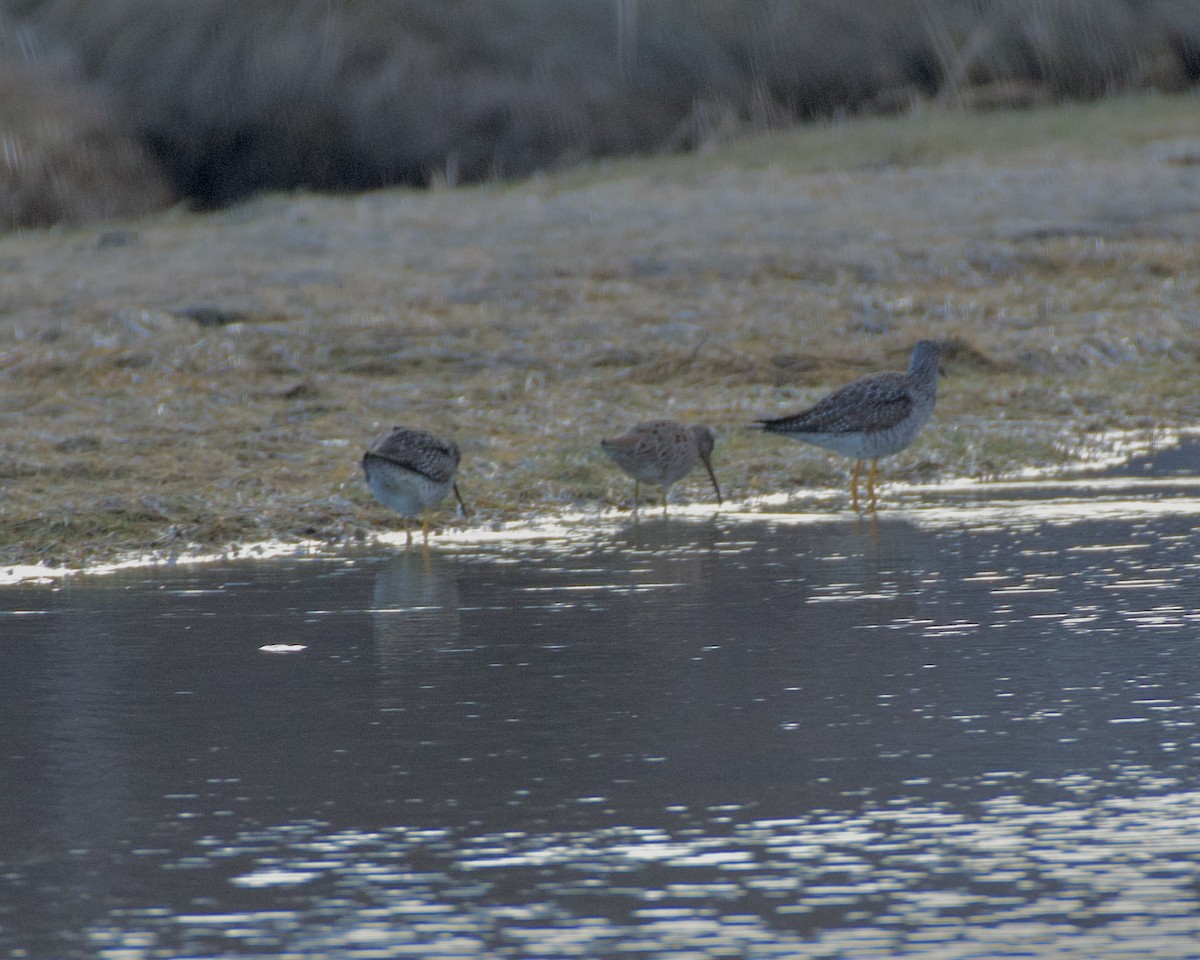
<point>868,446</point>
<point>406,492</point>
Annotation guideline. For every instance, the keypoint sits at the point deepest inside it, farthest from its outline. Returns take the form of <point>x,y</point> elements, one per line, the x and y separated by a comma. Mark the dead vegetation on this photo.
<point>193,380</point>
<point>64,158</point>
<point>233,98</point>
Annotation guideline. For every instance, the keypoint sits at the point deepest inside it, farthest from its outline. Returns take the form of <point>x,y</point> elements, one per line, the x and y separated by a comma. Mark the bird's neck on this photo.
<point>924,371</point>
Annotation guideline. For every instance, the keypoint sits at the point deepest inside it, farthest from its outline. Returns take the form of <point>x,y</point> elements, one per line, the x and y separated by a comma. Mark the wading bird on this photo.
<point>872,417</point>
<point>661,452</point>
<point>412,471</point>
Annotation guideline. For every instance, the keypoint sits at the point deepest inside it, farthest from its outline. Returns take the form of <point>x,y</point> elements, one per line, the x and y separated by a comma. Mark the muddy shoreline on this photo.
<point>185,382</point>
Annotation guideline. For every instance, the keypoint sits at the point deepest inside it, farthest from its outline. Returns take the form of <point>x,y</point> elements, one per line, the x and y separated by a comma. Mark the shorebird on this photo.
<point>661,452</point>
<point>872,417</point>
<point>412,471</point>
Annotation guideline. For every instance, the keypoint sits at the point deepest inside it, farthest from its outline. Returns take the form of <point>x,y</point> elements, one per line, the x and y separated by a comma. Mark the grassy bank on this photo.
<point>192,380</point>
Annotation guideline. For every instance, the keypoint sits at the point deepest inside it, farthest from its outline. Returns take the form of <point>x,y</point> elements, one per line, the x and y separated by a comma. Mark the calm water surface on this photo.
<point>967,730</point>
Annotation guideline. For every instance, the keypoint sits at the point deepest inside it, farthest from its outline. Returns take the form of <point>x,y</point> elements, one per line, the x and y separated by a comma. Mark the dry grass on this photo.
<point>1057,253</point>
<point>63,158</point>
<point>234,97</point>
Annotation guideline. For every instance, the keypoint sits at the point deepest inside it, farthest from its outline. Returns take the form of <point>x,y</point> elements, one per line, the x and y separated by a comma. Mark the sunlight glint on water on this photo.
<point>726,737</point>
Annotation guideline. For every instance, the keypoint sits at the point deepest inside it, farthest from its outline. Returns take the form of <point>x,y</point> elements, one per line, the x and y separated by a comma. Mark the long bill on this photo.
<point>458,496</point>
<point>712,476</point>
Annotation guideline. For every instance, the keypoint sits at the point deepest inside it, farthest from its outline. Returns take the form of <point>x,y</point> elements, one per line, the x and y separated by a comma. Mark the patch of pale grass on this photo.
<point>932,135</point>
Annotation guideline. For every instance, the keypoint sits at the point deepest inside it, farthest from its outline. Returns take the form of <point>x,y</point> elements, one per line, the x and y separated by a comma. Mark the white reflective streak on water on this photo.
<point>965,728</point>
<point>1114,878</point>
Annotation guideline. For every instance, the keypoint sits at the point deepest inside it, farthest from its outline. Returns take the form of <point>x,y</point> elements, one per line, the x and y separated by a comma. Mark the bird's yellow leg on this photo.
<point>871,485</point>
<point>407,532</point>
<point>425,524</point>
<point>664,490</point>
<point>854,485</point>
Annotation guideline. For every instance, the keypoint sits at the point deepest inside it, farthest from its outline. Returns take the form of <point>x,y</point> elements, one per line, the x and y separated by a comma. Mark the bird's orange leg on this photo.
<point>854,485</point>
<point>871,485</point>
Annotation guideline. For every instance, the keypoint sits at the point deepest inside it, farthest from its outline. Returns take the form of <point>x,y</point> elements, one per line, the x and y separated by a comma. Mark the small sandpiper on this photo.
<point>872,417</point>
<point>661,452</point>
<point>412,471</point>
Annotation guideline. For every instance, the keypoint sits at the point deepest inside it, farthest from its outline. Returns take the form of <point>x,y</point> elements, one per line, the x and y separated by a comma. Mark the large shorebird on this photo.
<point>412,471</point>
<point>872,417</point>
<point>661,452</point>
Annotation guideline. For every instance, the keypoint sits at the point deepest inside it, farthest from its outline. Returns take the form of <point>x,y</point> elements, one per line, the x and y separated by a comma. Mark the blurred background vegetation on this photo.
<point>115,107</point>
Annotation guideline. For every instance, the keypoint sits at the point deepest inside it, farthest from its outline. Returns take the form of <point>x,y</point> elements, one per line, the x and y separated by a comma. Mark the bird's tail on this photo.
<point>779,425</point>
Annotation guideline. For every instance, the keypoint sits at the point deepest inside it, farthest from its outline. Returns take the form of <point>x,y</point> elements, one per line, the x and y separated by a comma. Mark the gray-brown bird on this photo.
<point>872,417</point>
<point>661,452</point>
<point>412,471</point>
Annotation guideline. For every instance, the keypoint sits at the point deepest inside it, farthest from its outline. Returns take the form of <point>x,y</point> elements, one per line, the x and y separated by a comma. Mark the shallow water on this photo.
<point>965,730</point>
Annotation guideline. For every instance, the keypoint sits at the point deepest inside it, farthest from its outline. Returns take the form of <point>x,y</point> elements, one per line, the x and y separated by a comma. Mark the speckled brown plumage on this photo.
<point>412,471</point>
<point>661,452</point>
<point>872,417</point>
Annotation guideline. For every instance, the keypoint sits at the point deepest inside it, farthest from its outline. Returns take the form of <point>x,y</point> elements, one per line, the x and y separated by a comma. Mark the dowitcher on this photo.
<point>661,452</point>
<point>872,417</point>
<point>412,471</point>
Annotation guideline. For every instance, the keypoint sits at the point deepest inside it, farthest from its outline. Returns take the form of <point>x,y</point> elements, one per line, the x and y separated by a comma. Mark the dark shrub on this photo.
<point>233,97</point>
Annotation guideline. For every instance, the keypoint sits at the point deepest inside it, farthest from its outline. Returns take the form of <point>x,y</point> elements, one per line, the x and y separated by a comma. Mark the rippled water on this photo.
<point>966,730</point>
